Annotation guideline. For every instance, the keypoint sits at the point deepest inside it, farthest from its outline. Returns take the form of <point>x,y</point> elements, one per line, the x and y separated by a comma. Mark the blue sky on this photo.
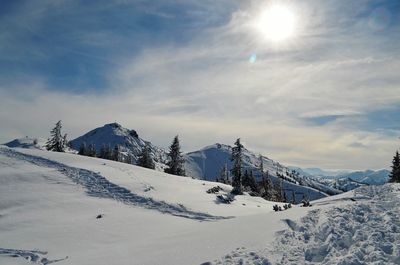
<point>328,97</point>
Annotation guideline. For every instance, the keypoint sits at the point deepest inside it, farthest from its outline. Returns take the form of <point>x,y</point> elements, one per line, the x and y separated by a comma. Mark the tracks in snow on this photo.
<point>34,256</point>
<point>98,186</point>
<point>363,232</point>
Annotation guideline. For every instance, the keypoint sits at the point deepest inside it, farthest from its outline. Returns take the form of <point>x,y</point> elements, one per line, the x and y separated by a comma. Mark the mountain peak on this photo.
<point>113,134</point>
<point>113,125</point>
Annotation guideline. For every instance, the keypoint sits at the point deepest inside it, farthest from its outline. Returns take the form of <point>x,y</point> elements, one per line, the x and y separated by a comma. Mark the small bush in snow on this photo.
<point>277,208</point>
<point>306,203</point>
<point>214,190</point>
<point>225,199</point>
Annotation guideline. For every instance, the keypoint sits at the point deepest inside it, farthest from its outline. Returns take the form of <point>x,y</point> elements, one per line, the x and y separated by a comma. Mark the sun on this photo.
<point>276,23</point>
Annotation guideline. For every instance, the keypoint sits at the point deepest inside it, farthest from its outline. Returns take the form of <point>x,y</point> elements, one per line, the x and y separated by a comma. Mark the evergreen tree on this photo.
<point>145,160</point>
<point>56,142</point>
<point>246,181</point>
<point>223,175</point>
<point>130,159</point>
<point>102,151</point>
<point>279,192</point>
<point>261,164</point>
<point>266,188</point>
<point>293,197</point>
<point>65,141</point>
<point>116,154</point>
<point>91,150</point>
<point>83,149</point>
<point>252,182</point>
<point>394,175</point>
<point>176,162</point>
<point>249,182</point>
<point>106,152</point>
<point>236,157</point>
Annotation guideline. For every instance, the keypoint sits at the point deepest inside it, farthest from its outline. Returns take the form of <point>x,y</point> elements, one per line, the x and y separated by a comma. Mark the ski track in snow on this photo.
<point>34,256</point>
<point>364,232</point>
<point>98,186</point>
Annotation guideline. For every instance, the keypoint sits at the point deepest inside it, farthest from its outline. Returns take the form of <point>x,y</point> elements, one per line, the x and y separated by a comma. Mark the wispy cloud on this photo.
<point>167,67</point>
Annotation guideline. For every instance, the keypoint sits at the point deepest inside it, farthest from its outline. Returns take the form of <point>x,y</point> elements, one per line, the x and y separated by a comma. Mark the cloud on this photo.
<point>313,101</point>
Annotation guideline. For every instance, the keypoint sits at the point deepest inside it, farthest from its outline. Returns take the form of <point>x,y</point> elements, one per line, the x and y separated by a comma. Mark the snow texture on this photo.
<point>33,256</point>
<point>364,232</point>
<point>98,186</point>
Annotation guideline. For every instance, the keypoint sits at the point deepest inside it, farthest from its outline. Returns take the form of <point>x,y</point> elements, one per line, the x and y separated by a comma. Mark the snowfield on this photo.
<point>49,203</point>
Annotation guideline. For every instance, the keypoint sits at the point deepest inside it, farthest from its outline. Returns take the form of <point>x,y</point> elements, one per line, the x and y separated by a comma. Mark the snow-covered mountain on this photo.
<point>127,139</point>
<point>208,162</point>
<point>318,172</point>
<point>61,208</point>
<point>27,142</point>
<point>372,177</point>
<point>357,179</point>
<point>346,180</point>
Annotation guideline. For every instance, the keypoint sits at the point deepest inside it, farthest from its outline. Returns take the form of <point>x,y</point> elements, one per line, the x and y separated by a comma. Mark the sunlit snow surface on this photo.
<point>49,203</point>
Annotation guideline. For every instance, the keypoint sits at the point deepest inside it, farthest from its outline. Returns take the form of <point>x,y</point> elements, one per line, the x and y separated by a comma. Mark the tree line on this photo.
<point>58,143</point>
<point>242,180</point>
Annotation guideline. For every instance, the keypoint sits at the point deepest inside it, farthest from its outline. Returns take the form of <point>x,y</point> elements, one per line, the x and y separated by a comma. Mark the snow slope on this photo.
<point>361,227</point>
<point>203,164</point>
<point>49,203</point>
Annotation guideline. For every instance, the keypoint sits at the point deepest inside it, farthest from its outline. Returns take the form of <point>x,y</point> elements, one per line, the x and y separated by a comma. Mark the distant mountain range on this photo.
<point>208,162</point>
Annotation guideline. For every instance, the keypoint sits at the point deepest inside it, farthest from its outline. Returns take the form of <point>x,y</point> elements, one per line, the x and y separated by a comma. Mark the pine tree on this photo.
<point>279,192</point>
<point>145,160</point>
<point>116,154</point>
<point>65,141</point>
<point>106,152</point>
<point>176,162</point>
<point>91,150</point>
<point>56,142</point>
<point>236,157</point>
<point>83,149</point>
<point>102,151</point>
<point>130,159</point>
<point>394,175</point>
<point>293,197</point>
<point>252,182</point>
<point>246,181</point>
<point>261,164</point>
<point>223,175</point>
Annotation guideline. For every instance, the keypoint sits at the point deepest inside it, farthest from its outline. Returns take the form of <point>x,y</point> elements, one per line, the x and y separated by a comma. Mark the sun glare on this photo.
<point>276,23</point>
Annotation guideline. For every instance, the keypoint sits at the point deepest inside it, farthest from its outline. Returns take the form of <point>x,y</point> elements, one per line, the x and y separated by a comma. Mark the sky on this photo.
<point>328,96</point>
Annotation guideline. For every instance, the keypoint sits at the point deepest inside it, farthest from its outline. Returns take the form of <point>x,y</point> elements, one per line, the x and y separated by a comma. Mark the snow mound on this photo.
<point>27,142</point>
<point>366,231</point>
